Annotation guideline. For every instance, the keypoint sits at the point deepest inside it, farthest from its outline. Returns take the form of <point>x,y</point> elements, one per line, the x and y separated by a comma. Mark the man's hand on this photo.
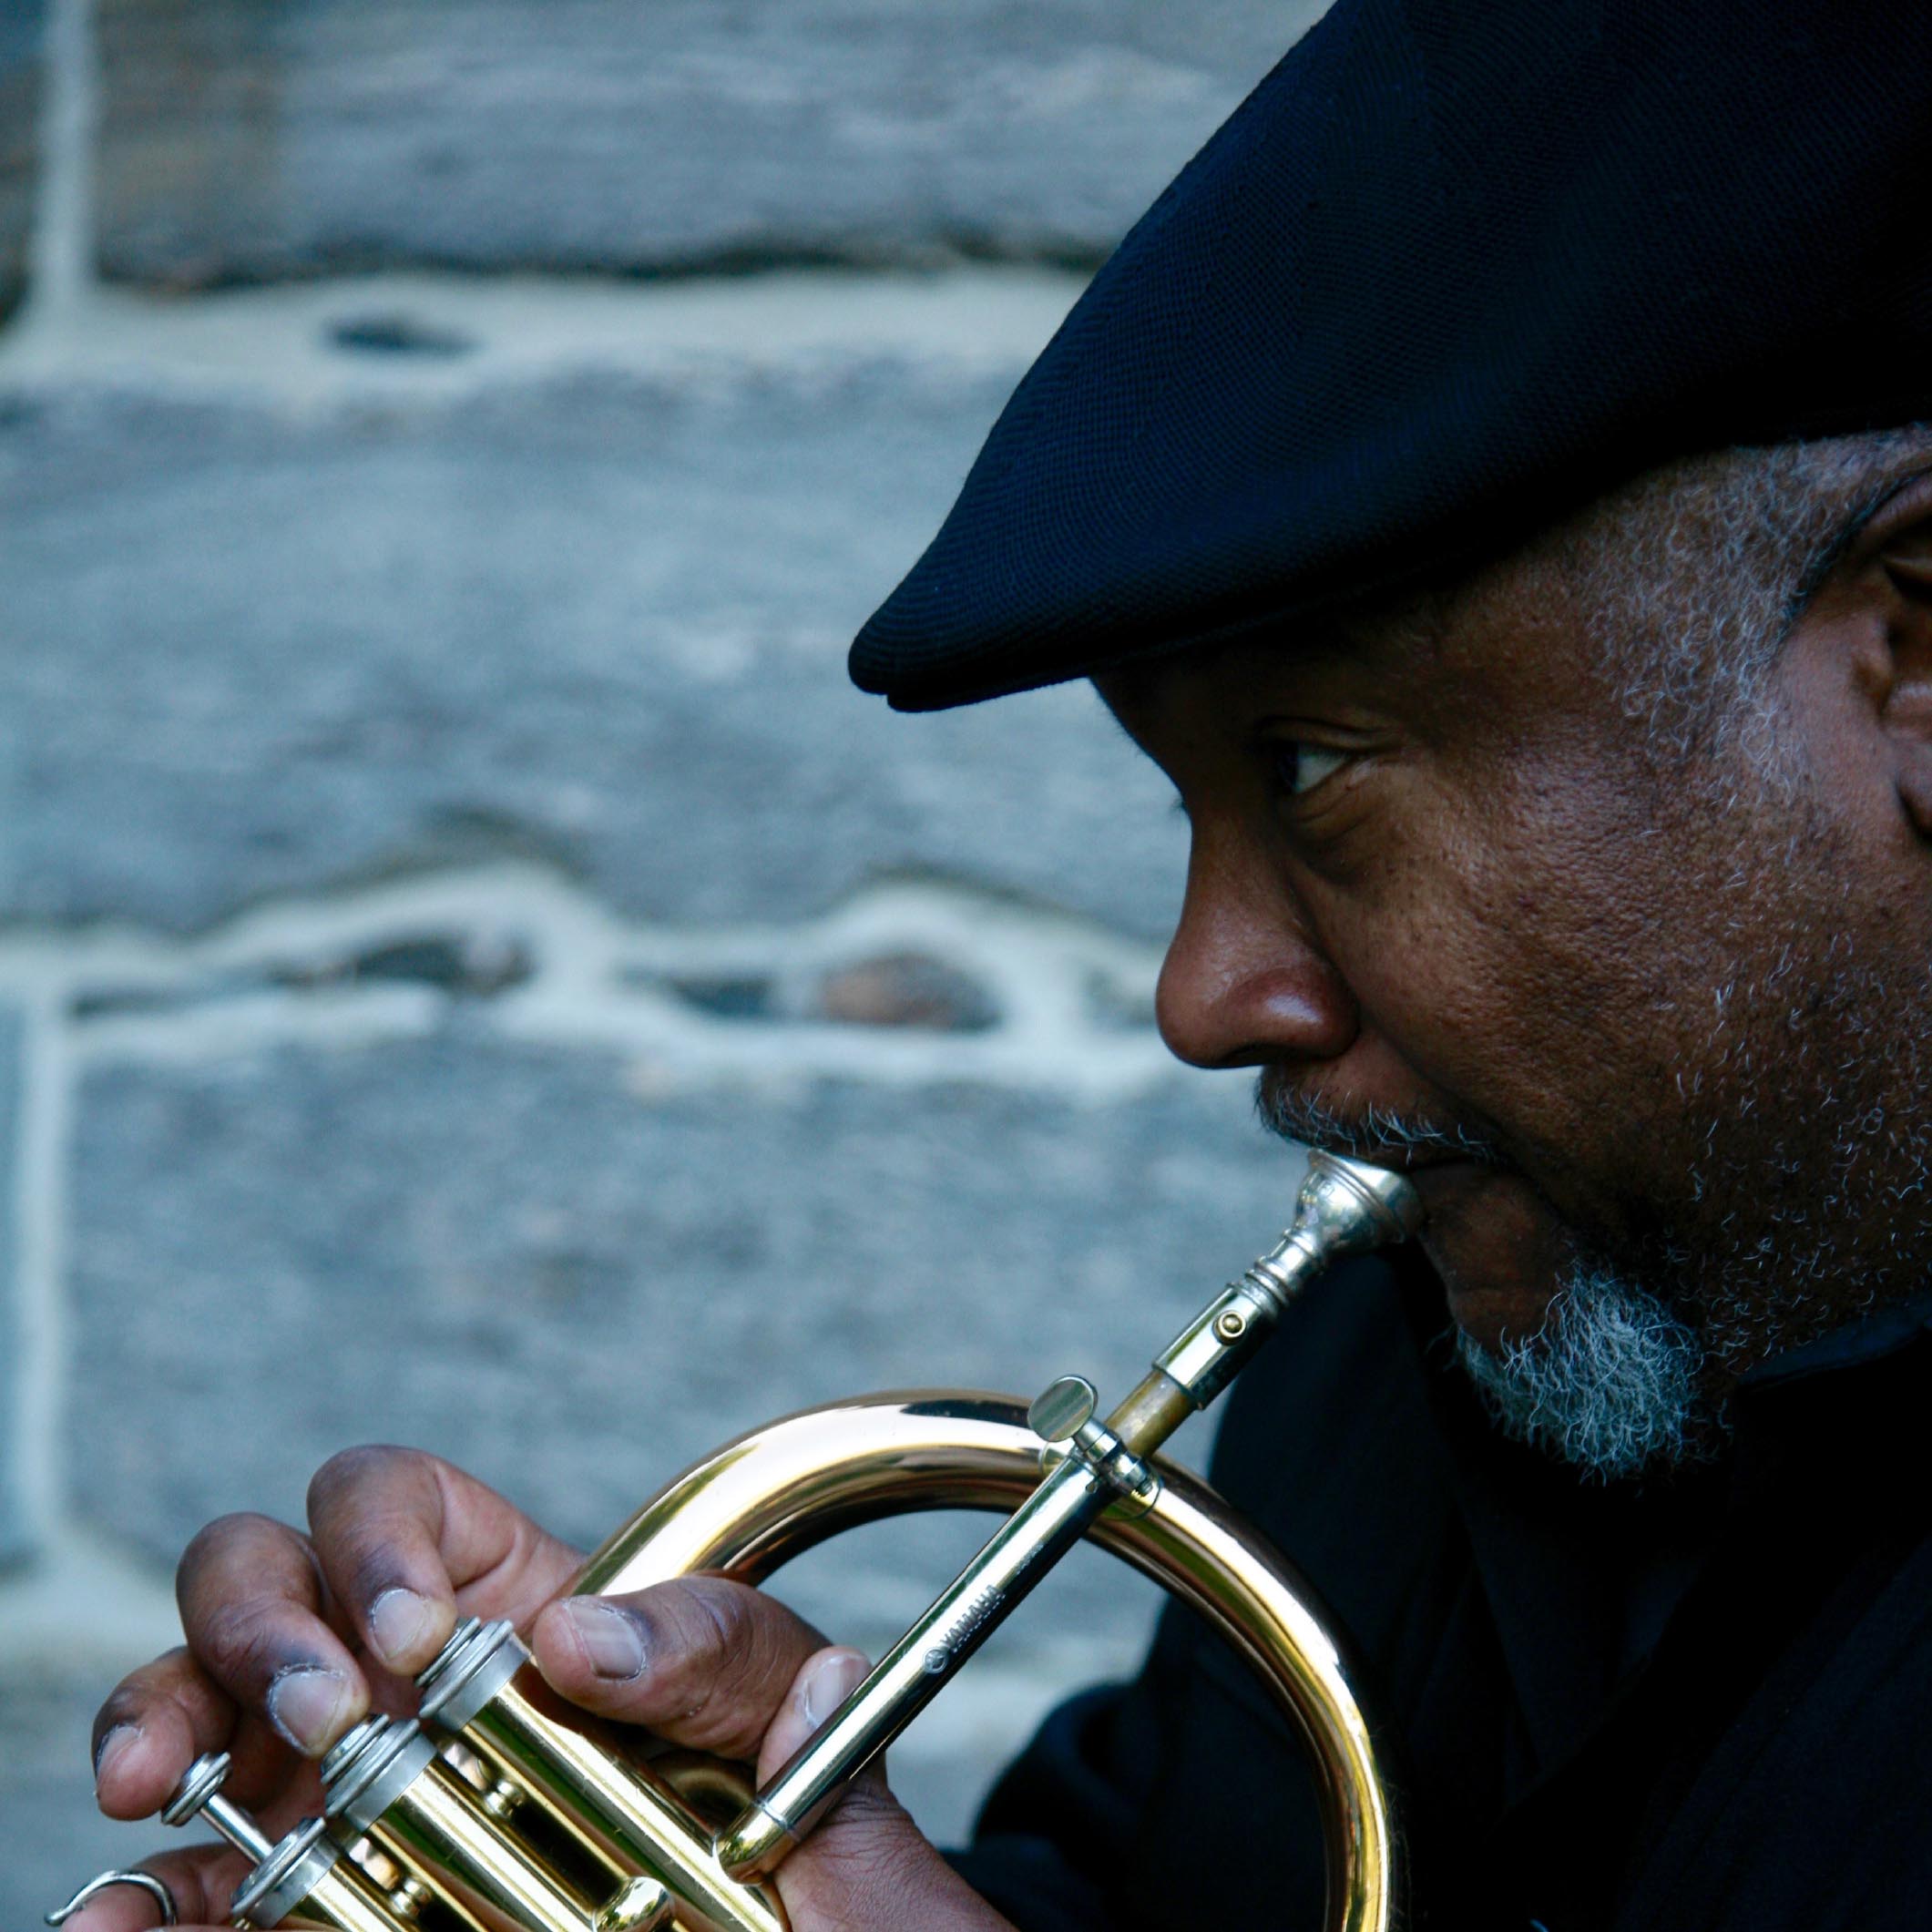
<point>293,1638</point>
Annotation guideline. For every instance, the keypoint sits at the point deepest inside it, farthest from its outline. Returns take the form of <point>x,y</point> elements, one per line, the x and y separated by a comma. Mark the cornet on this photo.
<point>488,1810</point>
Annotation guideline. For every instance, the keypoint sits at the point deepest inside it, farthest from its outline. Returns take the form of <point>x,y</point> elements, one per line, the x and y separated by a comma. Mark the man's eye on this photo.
<point>1302,767</point>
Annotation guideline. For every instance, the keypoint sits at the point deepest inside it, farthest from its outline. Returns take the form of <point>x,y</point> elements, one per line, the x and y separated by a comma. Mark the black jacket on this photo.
<point>1695,1704</point>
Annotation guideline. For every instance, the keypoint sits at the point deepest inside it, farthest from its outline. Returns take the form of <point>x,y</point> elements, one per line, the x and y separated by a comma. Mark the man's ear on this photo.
<point>1905,559</point>
<point>1897,566</point>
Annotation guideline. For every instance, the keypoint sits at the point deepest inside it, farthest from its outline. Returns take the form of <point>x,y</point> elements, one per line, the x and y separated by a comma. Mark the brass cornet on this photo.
<point>485,1809</point>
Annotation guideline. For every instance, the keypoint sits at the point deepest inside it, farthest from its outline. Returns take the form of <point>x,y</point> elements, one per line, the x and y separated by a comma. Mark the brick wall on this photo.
<point>471,972</point>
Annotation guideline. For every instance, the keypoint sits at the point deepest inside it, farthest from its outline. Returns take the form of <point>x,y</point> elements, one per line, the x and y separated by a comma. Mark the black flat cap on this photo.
<point>1454,267</point>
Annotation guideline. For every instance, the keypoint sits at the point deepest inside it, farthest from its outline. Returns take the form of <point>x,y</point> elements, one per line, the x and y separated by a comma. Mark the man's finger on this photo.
<point>202,1880</point>
<point>158,1719</point>
<point>701,1662</point>
<point>251,1606</point>
<point>155,1723</point>
<point>405,1540</point>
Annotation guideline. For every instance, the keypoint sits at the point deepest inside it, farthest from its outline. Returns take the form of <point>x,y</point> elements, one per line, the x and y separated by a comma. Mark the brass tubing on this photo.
<point>995,1581</point>
<point>307,1879</point>
<point>1342,1207</point>
<point>783,1488</point>
<point>1202,1552</point>
<point>911,1673</point>
<point>437,1827</point>
<point>618,1811</point>
<point>345,1901</point>
<point>1152,1411</point>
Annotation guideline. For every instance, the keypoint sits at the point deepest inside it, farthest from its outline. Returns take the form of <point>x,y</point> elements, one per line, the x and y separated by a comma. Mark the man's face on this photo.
<point>1661,1015</point>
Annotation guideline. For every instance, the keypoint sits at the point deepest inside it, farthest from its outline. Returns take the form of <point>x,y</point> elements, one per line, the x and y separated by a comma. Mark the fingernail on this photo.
<point>399,1619</point>
<point>115,1746</point>
<point>609,1636</point>
<point>306,1703</point>
<point>829,1684</point>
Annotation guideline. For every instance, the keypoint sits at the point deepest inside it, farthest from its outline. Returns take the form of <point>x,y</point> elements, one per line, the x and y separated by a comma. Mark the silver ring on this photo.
<point>142,1881</point>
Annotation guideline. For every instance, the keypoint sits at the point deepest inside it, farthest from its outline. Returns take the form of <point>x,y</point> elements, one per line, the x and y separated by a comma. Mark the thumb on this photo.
<point>823,1681</point>
<point>865,1867</point>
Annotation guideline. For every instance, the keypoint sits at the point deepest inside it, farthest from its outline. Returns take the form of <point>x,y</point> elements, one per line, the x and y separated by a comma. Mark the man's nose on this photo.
<point>1243,984</point>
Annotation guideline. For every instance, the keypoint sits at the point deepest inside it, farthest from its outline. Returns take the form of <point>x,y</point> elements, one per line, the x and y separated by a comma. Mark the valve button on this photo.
<point>1062,1408</point>
<point>200,1783</point>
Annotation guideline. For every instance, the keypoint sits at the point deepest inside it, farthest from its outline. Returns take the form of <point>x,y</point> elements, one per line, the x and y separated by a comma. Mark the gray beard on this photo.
<point>1611,1383</point>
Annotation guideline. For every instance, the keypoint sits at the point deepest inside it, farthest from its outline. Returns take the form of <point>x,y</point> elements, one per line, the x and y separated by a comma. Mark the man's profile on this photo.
<point>1494,485</point>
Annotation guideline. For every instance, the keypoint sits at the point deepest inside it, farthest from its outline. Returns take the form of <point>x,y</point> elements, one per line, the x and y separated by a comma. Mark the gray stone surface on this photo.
<point>602,621</point>
<point>16,1529</point>
<point>21,23</point>
<point>258,649</point>
<point>531,1263</point>
<point>247,142</point>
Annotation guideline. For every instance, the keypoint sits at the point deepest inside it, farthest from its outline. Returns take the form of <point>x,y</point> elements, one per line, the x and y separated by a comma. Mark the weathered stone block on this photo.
<point>244,142</point>
<point>22,26</point>
<point>906,989</point>
<point>574,1283</point>
<point>896,989</point>
<point>601,622</point>
<point>17,1360</point>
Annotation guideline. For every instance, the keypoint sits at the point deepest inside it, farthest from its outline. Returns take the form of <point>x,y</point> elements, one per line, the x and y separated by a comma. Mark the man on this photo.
<point>1485,482</point>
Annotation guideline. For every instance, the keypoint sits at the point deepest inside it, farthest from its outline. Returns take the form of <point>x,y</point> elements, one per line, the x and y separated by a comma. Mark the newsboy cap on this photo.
<point>1454,267</point>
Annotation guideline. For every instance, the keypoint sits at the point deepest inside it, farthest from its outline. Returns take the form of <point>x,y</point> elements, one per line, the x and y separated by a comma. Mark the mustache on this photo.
<point>1369,1133</point>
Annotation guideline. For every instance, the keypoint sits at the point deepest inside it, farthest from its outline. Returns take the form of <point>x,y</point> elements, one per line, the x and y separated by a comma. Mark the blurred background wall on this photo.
<point>471,973</point>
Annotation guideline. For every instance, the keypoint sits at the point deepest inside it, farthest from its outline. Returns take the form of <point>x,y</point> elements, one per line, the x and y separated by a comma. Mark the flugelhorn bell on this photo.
<point>487,1808</point>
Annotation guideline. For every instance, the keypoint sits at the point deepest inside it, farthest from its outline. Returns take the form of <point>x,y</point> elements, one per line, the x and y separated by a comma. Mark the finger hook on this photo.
<point>144,1881</point>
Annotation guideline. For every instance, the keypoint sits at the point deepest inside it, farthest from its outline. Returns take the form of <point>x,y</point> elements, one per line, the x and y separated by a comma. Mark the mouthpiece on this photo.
<point>1344,1207</point>
<point>1348,1207</point>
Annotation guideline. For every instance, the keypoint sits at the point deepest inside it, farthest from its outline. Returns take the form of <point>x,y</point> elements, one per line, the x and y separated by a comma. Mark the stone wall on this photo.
<point>471,971</point>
